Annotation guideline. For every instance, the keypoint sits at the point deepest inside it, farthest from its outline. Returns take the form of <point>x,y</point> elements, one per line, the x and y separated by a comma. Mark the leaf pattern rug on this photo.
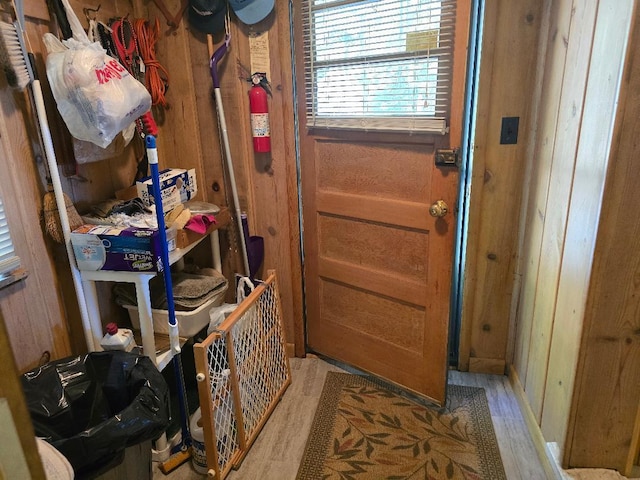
<point>362,430</point>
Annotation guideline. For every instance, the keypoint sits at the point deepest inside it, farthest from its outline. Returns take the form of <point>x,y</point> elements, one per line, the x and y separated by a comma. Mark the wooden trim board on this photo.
<point>495,366</point>
<point>546,458</point>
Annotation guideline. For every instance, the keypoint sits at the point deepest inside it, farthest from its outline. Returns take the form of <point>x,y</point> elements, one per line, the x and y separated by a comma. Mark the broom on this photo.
<point>21,73</point>
<point>18,68</point>
<point>52,222</point>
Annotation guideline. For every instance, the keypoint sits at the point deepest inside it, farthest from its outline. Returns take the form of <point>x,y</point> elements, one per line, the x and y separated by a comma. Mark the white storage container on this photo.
<point>198,453</point>
<point>189,322</point>
<point>118,338</point>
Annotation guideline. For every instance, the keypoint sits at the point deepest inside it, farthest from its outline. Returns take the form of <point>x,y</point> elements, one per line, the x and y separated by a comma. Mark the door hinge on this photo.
<point>447,157</point>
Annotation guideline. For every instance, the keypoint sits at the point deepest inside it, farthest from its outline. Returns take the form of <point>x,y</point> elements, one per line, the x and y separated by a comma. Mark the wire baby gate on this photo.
<point>242,372</point>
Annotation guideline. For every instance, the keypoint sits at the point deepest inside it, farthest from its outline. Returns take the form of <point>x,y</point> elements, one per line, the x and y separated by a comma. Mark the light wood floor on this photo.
<point>278,450</point>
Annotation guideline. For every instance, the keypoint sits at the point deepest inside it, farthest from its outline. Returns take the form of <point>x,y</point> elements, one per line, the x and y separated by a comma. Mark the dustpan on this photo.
<point>255,248</point>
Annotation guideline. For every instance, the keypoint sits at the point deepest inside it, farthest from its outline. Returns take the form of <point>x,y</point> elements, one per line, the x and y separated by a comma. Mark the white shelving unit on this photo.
<point>141,281</point>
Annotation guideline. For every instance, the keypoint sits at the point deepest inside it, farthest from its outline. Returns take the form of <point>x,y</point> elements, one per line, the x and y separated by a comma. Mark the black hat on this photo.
<point>207,15</point>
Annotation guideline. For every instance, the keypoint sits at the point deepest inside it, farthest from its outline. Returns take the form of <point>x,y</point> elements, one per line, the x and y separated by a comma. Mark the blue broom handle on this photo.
<point>152,154</point>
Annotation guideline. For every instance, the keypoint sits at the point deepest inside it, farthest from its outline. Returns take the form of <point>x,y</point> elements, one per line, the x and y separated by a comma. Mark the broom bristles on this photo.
<point>52,222</point>
<point>12,56</point>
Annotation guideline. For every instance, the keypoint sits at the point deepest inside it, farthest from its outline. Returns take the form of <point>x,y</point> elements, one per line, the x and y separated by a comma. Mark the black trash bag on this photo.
<point>93,406</point>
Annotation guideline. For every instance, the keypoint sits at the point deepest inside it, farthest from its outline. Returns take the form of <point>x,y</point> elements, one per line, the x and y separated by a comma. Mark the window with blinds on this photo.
<point>9,261</point>
<point>378,64</point>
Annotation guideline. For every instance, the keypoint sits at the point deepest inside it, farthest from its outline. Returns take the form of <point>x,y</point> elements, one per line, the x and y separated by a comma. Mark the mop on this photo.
<point>184,454</point>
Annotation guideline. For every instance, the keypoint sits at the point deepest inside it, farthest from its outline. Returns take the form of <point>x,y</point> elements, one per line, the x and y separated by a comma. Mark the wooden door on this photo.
<point>377,264</point>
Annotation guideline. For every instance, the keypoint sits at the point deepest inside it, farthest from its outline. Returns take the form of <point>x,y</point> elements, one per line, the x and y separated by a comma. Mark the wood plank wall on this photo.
<point>606,402</point>
<point>537,64</point>
<point>584,44</point>
<point>570,38</point>
<point>33,308</point>
<point>267,183</point>
<point>42,312</point>
<point>507,74</point>
<point>600,95</point>
<point>189,137</point>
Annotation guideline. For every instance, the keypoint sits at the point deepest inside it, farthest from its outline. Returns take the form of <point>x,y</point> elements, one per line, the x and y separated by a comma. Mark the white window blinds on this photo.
<point>378,64</point>
<point>8,259</point>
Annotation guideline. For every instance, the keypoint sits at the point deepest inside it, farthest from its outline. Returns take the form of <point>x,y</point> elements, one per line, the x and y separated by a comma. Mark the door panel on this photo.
<point>377,264</point>
<point>375,299</point>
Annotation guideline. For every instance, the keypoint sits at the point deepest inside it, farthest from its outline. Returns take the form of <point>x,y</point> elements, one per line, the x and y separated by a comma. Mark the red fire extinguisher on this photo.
<point>259,108</point>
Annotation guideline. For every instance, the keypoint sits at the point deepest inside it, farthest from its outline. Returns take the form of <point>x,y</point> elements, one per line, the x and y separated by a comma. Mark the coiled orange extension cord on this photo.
<point>155,75</point>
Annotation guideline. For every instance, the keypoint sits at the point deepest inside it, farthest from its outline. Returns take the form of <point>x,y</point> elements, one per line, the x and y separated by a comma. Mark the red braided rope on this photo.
<point>127,51</point>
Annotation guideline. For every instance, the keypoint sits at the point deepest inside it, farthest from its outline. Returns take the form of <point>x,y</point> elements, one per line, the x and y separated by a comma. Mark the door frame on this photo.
<point>464,186</point>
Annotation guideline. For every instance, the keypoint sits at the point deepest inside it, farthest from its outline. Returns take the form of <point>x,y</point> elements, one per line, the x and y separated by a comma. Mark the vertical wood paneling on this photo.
<point>188,138</point>
<point>284,46</point>
<point>537,111</point>
<point>178,145</point>
<point>582,65</point>
<point>556,21</point>
<point>607,388</point>
<point>268,188</point>
<point>32,308</point>
<point>277,221</point>
<point>555,206</point>
<point>506,78</point>
<point>605,64</point>
<point>550,52</point>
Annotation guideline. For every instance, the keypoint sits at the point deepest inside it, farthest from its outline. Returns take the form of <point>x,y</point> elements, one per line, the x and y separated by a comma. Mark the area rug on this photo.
<point>363,430</point>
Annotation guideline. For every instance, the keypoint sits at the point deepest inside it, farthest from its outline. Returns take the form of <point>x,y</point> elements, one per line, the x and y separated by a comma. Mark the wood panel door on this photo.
<point>377,264</point>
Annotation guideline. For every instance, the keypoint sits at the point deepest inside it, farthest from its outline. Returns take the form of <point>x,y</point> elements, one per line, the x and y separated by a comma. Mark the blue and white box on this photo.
<point>177,186</point>
<point>107,247</point>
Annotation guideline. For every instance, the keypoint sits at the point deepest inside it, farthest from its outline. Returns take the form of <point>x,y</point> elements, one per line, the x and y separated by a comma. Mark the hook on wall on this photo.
<point>172,20</point>
<point>91,13</point>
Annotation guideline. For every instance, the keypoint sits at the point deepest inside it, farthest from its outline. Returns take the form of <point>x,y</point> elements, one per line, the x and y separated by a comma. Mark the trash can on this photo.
<point>91,407</point>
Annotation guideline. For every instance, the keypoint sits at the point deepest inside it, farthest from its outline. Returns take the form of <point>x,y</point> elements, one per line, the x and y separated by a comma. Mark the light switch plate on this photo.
<point>509,131</point>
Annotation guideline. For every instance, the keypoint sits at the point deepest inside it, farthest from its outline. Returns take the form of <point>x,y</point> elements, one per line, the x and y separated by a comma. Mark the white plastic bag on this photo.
<point>243,288</point>
<point>95,94</point>
<point>219,314</point>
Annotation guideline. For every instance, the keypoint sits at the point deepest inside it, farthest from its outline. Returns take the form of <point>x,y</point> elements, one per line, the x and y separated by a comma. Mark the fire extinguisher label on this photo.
<point>260,124</point>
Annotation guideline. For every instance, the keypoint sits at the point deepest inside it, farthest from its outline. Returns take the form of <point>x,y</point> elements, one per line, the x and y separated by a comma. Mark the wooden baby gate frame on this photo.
<point>242,371</point>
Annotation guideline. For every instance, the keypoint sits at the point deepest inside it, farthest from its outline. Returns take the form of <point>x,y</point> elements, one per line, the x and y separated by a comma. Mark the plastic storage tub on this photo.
<point>189,322</point>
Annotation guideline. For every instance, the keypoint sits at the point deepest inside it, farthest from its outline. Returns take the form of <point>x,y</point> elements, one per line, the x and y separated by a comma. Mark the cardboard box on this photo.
<point>176,186</point>
<point>185,237</point>
<point>103,247</point>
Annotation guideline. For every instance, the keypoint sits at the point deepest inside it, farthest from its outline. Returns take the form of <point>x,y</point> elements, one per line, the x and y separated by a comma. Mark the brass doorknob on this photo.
<point>438,209</point>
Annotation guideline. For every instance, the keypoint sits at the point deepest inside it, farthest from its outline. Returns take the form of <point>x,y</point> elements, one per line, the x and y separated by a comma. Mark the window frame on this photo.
<point>10,263</point>
<point>408,123</point>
